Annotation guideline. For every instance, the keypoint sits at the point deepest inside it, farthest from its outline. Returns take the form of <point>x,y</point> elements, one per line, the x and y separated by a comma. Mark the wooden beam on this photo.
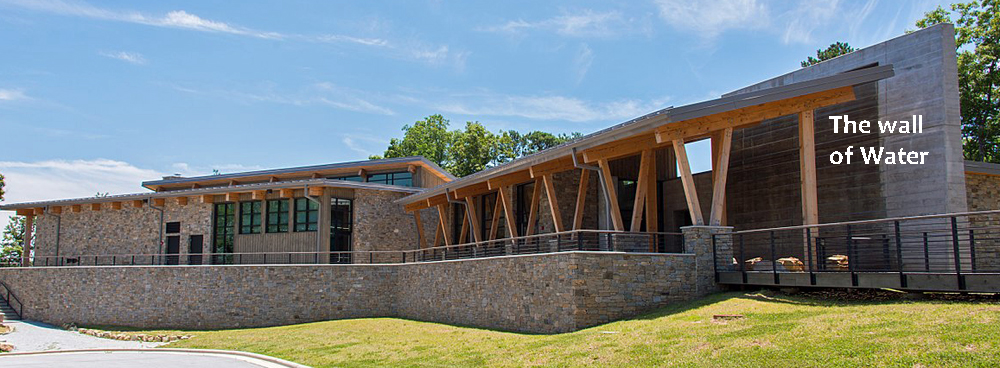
<point>443,219</point>
<point>233,182</point>
<point>752,115</point>
<point>259,195</point>
<point>411,168</point>
<point>159,202</point>
<point>463,234</point>
<point>182,201</point>
<point>720,174</point>
<point>437,200</point>
<point>39,211</point>
<point>76,208</point>
<point>207,198</point>
<point>437,234</point>
<point>471,207</point>
<point>807,168</point>
<point>652,201</point>
<point>316,176</point>
<point>135,204</point>
<point>116,205</point>
<point>273,179</point>
<point>687,180</point>
<point>550,192</point>
<point>415,206</point>
<point>536,198</point>
<point>609,187</point>
<point>286,193</point>
<point>622,147</point>
<point>232,197</point>
<point>554,166</point>
<point>420,230</point>
<point>363,174</point>
<point>508,212</point>
<point>641,188</point>
<point>495,224</point>
<point>58,210</point>
<point>507,180</point>
<point>581,199</point>
<point>195,186</point>
<point>471,190</point>
<point>316,191</point>
<point>25,212</point>
<point>95,206</point>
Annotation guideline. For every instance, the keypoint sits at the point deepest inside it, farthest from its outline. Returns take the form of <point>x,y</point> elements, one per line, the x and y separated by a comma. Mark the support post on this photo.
<point>687,180</point>
<point>421,243</point>
<point>443,219</point>
<point>550,192</point>
<point>641,189</point>
<point>720,174</point>
<point>807,169</point>
<point>581,199</point>
<point>612,194</point>
<point>536,197</point>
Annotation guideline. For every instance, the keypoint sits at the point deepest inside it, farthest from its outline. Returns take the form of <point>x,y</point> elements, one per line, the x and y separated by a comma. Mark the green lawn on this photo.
<point>786,331</point>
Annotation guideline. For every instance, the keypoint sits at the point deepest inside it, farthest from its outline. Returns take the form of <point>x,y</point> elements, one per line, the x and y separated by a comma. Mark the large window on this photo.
<point>341,224</point>
<point>403,178</point>
<point>250,217</point>
<point>306,215</point>
<point>222,231</point>
<point>277,216</point>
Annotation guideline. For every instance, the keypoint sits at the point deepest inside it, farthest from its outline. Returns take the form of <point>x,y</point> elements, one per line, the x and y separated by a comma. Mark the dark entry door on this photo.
<point>341,215</point>
<point>173,248</point>
<point>195,249</point>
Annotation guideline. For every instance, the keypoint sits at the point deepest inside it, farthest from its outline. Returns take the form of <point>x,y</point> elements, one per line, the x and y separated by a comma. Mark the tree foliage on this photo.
<point>977,32</point>
<point>12,242</point>
<point>835,49</point>
<point>463,152</point>
<point>1,187</point>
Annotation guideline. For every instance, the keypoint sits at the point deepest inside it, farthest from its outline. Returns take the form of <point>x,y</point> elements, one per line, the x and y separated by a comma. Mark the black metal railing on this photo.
<point>578,240</point>
<point>12,301</point>
<point>949,244</point>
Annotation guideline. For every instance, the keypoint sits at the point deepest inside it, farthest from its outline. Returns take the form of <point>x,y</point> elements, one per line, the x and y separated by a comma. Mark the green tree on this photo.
<point>977,32</point>
<point>12,242</point>
<point>1,187</point>
<point>835,49</point>
<point>473,150</point>
<point>429,138</point>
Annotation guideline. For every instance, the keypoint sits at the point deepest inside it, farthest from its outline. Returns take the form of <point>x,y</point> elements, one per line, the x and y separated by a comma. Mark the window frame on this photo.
<point>223,237</point>
<point>277,220</point>
<point>307,225</point>
<point>255,217</point>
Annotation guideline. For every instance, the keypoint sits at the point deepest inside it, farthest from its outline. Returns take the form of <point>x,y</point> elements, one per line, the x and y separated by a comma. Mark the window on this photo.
<point>277,216</point>
<point>250,214</point>
<point>173,227</point>
<point>222,231</point>
<point>349,178</point>
<point>306,215</point>
<point>341,220</point>
<point>523,207</point>
<point>403,178</point>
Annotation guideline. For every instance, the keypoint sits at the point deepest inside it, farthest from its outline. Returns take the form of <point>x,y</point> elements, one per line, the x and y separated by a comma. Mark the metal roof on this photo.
<point>665,116</point>
<point>341,165</point>
<point>333,183</point>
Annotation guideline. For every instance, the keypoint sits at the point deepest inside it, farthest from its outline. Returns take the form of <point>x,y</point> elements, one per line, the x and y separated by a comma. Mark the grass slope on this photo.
<point>806,330</point>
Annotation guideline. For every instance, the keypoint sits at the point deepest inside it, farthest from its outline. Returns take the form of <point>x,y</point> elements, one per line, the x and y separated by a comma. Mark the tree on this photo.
<point>977,32</point>
<point>463,152</point>
<point>835,49</point>
<point>1,187</point>
<point>12,242</point>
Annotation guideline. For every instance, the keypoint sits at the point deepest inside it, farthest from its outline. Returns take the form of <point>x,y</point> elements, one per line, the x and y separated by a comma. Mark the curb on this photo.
<point>242,354</point>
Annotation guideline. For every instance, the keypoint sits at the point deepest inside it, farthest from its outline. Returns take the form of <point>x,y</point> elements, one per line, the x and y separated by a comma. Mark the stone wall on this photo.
<point>544,293</point>
<point>983,191</point>
<point>984,195</point>
<point>382,225</point>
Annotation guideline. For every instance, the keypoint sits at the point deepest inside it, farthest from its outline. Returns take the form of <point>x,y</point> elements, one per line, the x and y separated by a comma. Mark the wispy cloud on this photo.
<point>587,23</point>
<point>582,61</point>
<point>180,19</point>
<point>129,57</point>
<point>711,18</point>
<point>12,95</point>
<point>322,94</point>
<point>549,107</point>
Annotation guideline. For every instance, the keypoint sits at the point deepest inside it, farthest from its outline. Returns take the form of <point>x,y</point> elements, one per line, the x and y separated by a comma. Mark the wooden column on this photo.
<point>495,224</point>
<point>609,187</point>
<point>471,207</point>
<point>807,168</point>
<point>581,199</point>
<point>550,192</point>
<point>29,223</point>
<point>465,230</point>
<point>720,173</point>
<point>536,197</point>
<point>420,230</point>
<point>508,211</point>
<point>641,189</point>
<point>687,180</point>
<point>443,219</point>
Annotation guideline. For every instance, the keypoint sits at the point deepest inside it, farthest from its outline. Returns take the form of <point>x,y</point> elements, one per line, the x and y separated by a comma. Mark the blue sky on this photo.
<point>97,96</point>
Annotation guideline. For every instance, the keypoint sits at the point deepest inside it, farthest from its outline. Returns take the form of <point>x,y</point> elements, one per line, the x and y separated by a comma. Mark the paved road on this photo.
<point>144,359</point>
<point>35,336</point>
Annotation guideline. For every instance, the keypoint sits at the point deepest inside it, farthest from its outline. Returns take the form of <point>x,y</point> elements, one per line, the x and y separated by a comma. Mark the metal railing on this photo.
<point>948,244</point>
<point>12,301</point>
<point>578,240</point>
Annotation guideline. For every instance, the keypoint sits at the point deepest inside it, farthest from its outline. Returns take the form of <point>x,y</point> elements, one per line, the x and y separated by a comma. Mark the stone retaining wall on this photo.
<point>544,293</point>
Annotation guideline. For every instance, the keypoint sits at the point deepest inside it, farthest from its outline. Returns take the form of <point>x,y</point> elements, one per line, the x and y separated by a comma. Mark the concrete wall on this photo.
<point>544,293</point>
<point>926,83</point>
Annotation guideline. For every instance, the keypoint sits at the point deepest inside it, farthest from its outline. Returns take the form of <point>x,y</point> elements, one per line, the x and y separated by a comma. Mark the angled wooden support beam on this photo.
<point>536,196</point>
<point>116,205</point>
<point>507,180</point>
<point>550,193</point>
<point>720,174</point>
<point>581,199</point>
<point>421,243</point>
<point>471,207</point>
<point>135,204</point>
<point>807,168</point>
<point>437,234</point>
<point>183,201</point>
<point>641,190</point>
<point>495,224</point>
<point>464,233</point>
<point>609,187</point>
<point>508,212</point>
<point>443,220</point>
<point>687,181</point>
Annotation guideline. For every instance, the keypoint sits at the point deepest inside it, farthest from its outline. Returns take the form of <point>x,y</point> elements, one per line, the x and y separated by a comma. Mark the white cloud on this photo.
<point>582,61</point>
<point>587,23</point>
<point>324,94</point>
<point>63,179</point>
<point>547,107</point>
<point>711,18</point>
<point>12,95</point>
<point>129,57</point>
